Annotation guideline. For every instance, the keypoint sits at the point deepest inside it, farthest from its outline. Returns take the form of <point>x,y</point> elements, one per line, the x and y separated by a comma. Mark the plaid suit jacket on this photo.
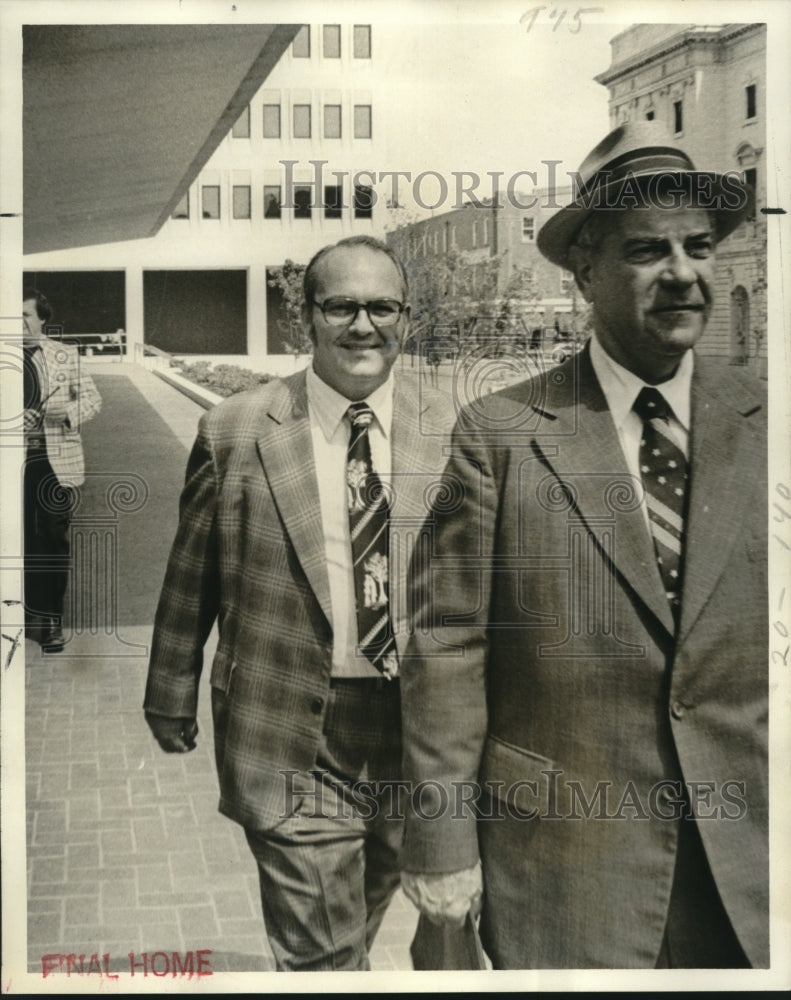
<point>74,400</point>
<point>249,552</point>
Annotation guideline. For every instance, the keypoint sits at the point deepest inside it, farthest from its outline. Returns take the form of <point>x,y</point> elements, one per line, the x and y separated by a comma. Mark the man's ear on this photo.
<point>581,261</point>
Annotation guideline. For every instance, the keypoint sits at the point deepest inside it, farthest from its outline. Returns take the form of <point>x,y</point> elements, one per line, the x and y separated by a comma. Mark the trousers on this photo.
<point>48,507</point>
<point>328,870</point>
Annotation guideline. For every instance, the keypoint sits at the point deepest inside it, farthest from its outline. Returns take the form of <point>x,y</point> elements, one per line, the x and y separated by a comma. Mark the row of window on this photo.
<point>331,42</point>
<point>440,240</point>
<point>302,122</point>
<point>303,207</point>
<point>750,109</point>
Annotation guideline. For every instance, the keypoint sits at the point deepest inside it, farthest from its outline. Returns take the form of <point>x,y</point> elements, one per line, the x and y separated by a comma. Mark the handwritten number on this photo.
<point>531,14</point>
<point>784,514</point>
<point>558,14</point>
<point>779,626</point>
<point>553,14</point>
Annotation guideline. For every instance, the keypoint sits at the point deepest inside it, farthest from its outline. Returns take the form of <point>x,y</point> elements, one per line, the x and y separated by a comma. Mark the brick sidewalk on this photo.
<point>126,851</point>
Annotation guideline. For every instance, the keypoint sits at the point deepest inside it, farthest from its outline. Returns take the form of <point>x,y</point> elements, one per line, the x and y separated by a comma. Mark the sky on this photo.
<point>494,96</point>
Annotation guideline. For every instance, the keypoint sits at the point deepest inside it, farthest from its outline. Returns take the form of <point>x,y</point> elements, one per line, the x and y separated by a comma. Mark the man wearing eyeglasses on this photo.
<point>301,503</point>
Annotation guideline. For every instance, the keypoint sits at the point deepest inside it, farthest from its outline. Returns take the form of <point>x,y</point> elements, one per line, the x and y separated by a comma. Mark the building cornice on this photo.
<point>685,38</point>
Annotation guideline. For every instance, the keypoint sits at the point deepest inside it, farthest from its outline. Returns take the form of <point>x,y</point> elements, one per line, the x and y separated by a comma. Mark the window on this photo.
<point>649,116</point>
<point>528,229</point>
<point>751,177</point>
<point>362,41</point>
<point>566,283</point>
<point>749,93</point>
<point>301,121</point>
<point>302,199</point>
<point>241,129</point>
<point>362,121</point>
<point>210,201</point>
<point>474,233</point>
<point>272,201</point>
<point>182,210</point>
<point>333,201</point>
<point>678,117</point>
<point>332,41</point>
<point>300,47</point>
<point>485,232</point>
<point>271,121</point>
<point>241,201</point>
<point>364,202</point>
<point>332,121</point>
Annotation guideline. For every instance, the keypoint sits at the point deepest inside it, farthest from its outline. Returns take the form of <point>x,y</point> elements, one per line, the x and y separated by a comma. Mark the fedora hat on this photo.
<point>617,174</point>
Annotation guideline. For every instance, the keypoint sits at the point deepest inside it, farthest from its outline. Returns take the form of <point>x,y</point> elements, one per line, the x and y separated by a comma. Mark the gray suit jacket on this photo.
<point>249,552</point>
<point>544,666</point>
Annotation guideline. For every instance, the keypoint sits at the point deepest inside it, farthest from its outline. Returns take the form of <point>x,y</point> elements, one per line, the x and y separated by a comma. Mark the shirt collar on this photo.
<point>329,407</point>
<point>621,387</point>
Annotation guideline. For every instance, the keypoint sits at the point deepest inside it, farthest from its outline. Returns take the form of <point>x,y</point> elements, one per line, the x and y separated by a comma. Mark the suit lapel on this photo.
<point>723,457</point>
<point>583,449</point>
<point>285,448</point>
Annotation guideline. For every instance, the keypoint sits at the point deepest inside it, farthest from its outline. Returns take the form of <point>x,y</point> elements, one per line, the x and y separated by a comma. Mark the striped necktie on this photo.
<point>369,524</point>
<point>663,467</point>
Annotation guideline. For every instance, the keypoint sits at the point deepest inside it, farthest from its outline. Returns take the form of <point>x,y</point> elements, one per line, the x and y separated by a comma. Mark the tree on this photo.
<point>287,281</point>
<point>468,298</point>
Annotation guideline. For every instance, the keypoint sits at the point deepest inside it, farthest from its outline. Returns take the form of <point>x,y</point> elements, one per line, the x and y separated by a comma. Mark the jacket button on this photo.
<point>677,710</point>
<point>316,706</point>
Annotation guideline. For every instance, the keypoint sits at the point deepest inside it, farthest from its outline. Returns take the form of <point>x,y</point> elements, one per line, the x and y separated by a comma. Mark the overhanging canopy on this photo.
<point>119,120</point>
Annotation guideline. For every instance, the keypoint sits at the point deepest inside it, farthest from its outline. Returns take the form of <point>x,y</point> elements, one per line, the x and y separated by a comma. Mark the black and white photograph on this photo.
<point>395,550</point>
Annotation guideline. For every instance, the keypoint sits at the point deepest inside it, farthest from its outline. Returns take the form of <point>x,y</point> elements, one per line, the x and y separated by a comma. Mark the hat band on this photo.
<point>659,160</point>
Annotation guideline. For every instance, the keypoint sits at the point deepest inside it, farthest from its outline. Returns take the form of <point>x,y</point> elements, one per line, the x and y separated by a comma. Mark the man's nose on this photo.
<point>362,325</point>
<point>679,268</point>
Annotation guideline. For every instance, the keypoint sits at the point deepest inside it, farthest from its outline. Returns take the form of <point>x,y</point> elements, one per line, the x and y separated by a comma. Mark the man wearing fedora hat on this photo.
<point>585,702</point>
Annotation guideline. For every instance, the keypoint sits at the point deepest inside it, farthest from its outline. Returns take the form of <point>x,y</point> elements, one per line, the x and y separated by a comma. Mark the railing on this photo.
<point>90,344</point>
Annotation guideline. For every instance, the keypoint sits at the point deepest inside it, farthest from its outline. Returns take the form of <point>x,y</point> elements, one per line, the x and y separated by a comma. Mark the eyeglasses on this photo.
<point>343,312</point>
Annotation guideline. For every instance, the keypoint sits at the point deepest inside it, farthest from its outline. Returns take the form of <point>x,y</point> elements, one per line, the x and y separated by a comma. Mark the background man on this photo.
<point>283,537</point>
<point>59,396</point>
<point>592,617</point>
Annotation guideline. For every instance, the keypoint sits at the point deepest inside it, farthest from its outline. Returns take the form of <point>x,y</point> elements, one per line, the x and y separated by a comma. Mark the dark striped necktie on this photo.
<point>369,523</point>
<point>663,468</point>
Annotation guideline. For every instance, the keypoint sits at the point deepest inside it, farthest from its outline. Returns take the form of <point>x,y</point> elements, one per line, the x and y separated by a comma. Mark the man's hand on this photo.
<point>32,419</point>
<point>448,897</point>
<point>173,735</point>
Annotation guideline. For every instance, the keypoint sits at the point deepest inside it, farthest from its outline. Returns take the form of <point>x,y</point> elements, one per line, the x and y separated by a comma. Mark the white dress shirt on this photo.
<point>331,432</point>
<point>621,388</point>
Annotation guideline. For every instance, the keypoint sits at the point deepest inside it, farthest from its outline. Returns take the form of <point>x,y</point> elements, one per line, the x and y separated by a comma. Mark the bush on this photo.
<point>224,380</point>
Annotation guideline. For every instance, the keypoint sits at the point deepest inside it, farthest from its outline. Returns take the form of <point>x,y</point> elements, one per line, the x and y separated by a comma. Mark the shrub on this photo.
<point>224,380</point>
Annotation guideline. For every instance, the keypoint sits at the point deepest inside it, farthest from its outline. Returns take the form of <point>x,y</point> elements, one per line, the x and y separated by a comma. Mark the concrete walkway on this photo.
<point>126,851</point>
